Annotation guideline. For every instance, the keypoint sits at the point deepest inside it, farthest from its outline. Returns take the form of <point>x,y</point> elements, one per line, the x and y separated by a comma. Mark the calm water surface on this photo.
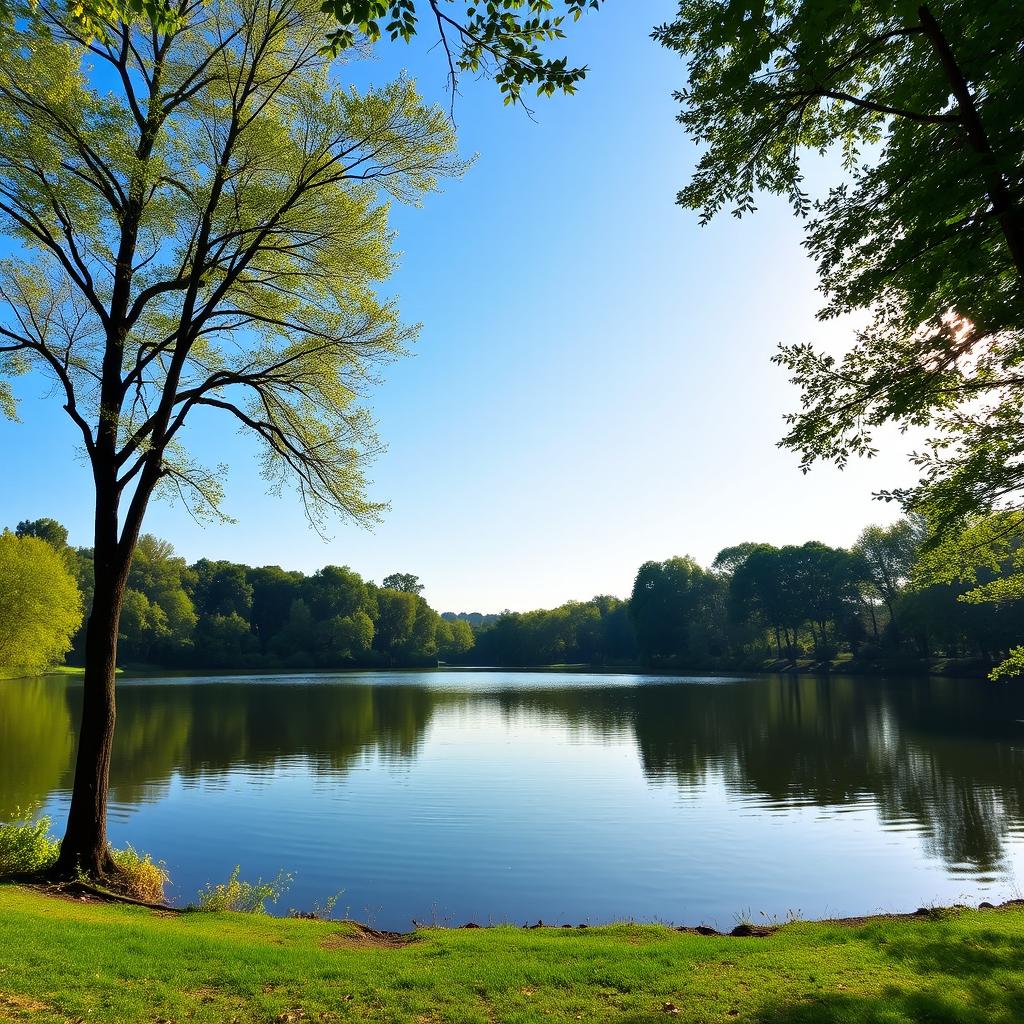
<point>496,796</point>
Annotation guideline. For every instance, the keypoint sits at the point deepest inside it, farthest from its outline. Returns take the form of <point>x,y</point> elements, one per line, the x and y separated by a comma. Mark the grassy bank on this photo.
<point>65,960</point>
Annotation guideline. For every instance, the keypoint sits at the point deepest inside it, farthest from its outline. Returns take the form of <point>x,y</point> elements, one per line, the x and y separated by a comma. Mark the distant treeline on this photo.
<point>754,603</point>
<point>226,615</point>
<point>758,602</point>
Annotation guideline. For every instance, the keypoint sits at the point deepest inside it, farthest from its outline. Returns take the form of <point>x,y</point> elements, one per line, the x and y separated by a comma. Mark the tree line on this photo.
<point>220,614</point>
<point>755,603</point>
<point>758,602</point>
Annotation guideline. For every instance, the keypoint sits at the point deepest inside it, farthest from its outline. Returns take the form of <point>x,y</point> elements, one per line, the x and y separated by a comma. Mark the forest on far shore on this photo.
<point>754,603</point>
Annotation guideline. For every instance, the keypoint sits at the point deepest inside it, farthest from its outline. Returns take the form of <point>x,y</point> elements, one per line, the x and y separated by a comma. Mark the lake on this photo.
<point>495,796</point>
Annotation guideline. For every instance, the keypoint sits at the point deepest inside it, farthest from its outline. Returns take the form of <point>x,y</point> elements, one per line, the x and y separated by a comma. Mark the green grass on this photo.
<point>57,670</point>
<point>71,961</point>
<point>54,670</point>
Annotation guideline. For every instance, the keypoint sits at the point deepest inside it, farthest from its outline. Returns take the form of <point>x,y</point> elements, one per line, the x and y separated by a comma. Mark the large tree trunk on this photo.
<point>84,848</point>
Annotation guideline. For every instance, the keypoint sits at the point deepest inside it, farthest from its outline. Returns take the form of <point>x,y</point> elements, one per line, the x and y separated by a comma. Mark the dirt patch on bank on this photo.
<point>21,1006</point>
<point>359,936</point>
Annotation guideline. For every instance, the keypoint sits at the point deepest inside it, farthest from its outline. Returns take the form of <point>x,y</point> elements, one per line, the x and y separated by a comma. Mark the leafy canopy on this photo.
<point>403,581</point>
<point>46,529</point>
<point>200,225</point>
<point>988,556</point>
<point>923,236</point>
<point>887,556</point>
<point>504,38</point>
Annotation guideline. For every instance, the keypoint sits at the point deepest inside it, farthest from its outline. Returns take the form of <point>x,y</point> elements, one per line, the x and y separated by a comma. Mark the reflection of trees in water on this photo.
<point>204,731</point>
<point>35,742</point>
<point>941,753</point>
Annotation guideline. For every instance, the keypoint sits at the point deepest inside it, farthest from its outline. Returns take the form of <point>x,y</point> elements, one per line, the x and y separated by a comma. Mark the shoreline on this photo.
<point>742,930</point>
<point>81,892</point>
<point>937,668</point>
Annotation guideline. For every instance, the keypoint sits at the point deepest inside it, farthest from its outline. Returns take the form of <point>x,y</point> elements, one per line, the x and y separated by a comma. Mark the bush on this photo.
<point>138,877</point>
<point>26,846</point>
<point>241,896</point>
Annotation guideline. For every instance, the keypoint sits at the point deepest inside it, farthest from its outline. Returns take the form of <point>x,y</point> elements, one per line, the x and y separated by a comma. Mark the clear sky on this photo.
<point>591,387</point>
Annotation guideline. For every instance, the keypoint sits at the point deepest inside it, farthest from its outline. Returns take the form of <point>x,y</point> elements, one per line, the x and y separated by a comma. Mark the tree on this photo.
<point>404,582</point>
<point>199,232</point>
<point>887,555</point>
<point>164,579</point>
<point>821,584</point>
<point>221,588</point>
<point>454,638</point>
<point>395,622</point>
<point>618,634</point>
<point>296,639</point>
<point>142,626</point>
<point>423,639</point>
<point>758,593</point>
<point>729,559</point>
<point>40,606</point>
<point>49,530</point>
<point>987,558</point>
<point>273,591</point>
<point>345,637</point>
<point>674,607</point>
<point>224,640</point>
<point>785,590</point>
<point>158,617</point>
<point>924,236</point>
<point>337,590</point>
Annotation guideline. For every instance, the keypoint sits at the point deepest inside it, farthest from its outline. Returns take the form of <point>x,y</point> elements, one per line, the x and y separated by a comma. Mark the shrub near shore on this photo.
<point>28,849</point>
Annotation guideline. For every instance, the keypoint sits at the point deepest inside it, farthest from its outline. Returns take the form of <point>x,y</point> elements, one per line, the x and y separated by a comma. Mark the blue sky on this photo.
<point>591,387</point>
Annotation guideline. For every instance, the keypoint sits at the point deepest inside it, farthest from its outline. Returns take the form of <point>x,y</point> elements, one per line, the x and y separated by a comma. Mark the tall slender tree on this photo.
<point>887,555</point>
<point>197,210</point>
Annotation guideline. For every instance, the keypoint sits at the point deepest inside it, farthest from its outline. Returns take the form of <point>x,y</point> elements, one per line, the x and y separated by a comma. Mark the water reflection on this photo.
<point>945,754</point>
<point>35,742</point>
<point>941,756</point>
